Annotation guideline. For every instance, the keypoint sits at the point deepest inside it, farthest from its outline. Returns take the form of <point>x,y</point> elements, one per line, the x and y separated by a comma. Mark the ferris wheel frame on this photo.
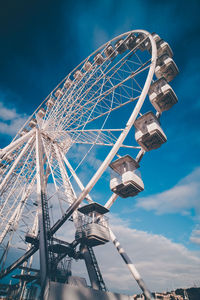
<point>61,157</point>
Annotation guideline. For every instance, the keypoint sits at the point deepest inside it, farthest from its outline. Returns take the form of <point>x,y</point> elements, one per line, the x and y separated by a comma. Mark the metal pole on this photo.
<point>16,163</point>
<point>12,146</point>
<point>88,198</point>
<point>110,201</point>
<point>90,268</point>
<point>43,239</point>
<point>18,262</point>
<point>131,266</point>
<point>69,191</point>
<point>65,179</point>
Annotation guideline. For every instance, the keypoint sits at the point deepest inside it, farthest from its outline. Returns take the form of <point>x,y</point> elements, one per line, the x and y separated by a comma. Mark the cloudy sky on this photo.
<point>41,42</point>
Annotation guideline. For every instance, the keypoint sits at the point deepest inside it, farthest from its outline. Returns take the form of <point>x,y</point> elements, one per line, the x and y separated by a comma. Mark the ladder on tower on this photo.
<point>97,270</point>
<point>45,210</point>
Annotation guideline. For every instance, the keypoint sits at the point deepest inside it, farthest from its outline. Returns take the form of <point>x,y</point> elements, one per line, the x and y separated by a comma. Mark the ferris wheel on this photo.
<point>104,115</point>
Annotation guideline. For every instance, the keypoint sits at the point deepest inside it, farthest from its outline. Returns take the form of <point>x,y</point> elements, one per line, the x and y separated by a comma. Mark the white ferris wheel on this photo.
<point>104,115</point>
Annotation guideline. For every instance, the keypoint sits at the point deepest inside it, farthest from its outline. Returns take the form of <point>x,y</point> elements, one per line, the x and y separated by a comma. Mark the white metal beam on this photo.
<point>12,146</point>
<point>41,193</point>
<point>22,153</point>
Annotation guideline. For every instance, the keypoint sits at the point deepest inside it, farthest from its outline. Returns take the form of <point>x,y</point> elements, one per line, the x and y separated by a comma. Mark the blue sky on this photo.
<point>42,41</point>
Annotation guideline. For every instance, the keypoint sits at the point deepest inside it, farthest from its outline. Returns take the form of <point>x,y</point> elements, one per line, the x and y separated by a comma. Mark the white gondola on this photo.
<point>166,68</point>
<point>92,225</point>
<point>50,102</point>
<point>32,123</point>
<point>161,95</point>
<point>120,46</point>
<point>41,112</point>
<point>9,158</point>
<point>131,41</point>
<point>110,52</point>
<point>87,66</point>
<point>68,83</point>
<point>58,93</point>
<point>66,143</point>
<point>149,135</point>
<point>126,182</point>
<point>98,59</point>
<point>78,75</point>
<point>23,132</point>
<point>145,45</point>
<point>156,37</point>
<point>164,48</point>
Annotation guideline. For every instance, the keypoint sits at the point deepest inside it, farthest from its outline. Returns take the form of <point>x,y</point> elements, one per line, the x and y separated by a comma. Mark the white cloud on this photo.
<point>195,239</point>
<point>179,199</point>
<point>195,236</point>
<point>7,114</point>
<point>13,126</point>
<point>10,120</point>
<point>162,263</point>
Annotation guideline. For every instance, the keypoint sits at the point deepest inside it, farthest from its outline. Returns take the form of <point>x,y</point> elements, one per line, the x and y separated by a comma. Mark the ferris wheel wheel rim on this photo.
<point>136,31</point>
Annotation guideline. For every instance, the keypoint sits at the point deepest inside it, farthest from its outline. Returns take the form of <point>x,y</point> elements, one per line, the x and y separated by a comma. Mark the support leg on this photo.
<point>90,268</point>
<point>43,239</point>
<point>131,267</point>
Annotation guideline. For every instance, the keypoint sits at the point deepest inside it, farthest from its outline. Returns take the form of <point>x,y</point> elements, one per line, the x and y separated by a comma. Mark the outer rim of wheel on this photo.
<point>153,58</point>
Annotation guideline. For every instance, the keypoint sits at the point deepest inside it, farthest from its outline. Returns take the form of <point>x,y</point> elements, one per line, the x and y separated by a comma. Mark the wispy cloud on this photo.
<point>181,198</point>
<point>7,114</point>
<point>162,263</point>
<point>10,120</point>
<point>195,236</point>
